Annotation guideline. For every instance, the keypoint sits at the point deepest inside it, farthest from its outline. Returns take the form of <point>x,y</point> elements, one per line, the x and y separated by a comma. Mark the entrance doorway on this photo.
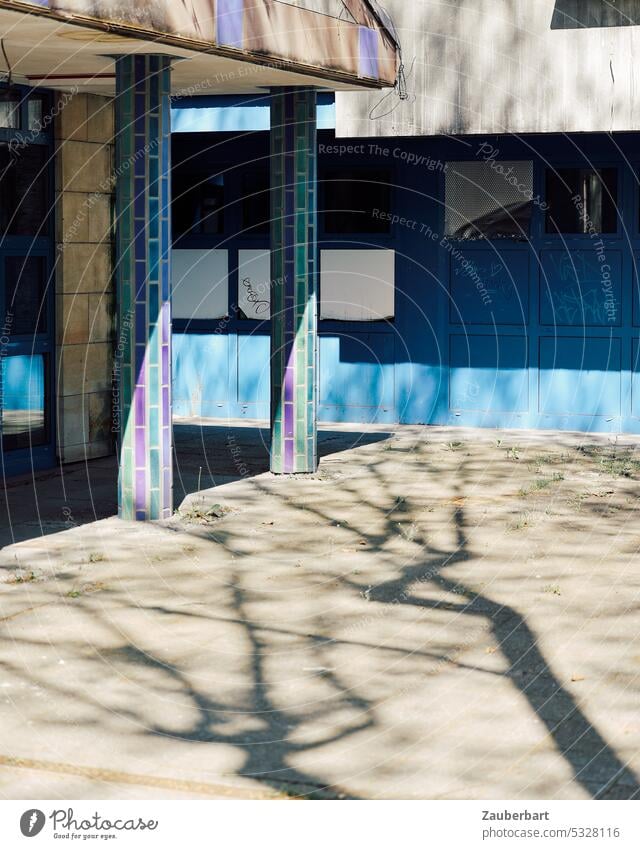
<point>27,330</point>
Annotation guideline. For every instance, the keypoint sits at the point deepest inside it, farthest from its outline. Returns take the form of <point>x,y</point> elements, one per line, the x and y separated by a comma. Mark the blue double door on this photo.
<point>524,316</point>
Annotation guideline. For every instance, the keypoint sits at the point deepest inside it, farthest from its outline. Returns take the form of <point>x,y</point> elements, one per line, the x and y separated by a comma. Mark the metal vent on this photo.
<point>488,200</point>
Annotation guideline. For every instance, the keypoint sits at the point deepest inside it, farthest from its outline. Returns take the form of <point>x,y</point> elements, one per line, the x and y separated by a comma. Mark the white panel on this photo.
<point>357,285</point>
<point>199,283</point>
<point>254,283</point>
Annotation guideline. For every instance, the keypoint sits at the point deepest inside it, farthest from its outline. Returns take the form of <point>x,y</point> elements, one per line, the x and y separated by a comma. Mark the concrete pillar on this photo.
<point>143,248</point>
<point>294,281</point>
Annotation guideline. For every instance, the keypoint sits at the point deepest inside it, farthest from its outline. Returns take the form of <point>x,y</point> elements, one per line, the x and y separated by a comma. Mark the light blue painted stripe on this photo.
<point>236,114</point>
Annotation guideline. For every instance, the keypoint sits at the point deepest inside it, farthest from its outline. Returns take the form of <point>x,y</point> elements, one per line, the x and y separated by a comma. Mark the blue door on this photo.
<point>26,282</point>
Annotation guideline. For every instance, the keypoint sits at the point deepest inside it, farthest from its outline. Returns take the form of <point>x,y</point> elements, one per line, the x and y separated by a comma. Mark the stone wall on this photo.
<point>84,286</point>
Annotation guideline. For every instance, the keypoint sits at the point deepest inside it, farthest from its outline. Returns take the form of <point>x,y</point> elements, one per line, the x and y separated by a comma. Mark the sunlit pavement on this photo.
<point>436,613</point>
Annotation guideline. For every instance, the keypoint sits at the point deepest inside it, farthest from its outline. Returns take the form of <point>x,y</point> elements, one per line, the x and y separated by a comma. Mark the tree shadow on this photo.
<point>575,737</point>
<point>213,454</point>
<point>205,456</point>
<point>269,748</point>
<point>281,731</point>
<point>593,762</point>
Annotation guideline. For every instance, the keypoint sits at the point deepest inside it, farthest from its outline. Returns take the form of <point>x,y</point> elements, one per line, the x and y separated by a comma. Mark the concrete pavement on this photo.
<point>436,613</point>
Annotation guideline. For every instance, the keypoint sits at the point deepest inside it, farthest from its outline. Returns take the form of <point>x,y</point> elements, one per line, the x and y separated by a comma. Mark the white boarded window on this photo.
<point>254,284</point>
<point>357,285</point>
<point>488,200</point>
<point>199,284</point>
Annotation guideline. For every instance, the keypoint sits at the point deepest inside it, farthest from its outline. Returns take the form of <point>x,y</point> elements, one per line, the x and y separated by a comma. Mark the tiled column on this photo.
<point>143,340</point>
<point>294,281</point>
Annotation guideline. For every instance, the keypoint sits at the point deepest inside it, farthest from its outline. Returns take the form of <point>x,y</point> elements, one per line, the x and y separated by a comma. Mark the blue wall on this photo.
<point>543,354</point>
<point>236,113</point>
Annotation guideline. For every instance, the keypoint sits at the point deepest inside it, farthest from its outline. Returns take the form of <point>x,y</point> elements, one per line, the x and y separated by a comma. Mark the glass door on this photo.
<point>26,284</point>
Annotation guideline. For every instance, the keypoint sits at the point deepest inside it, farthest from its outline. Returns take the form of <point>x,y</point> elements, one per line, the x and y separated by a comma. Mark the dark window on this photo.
<point>256,209</point>
<point>488,200</point>
<point>9,109</point>
<point>25,397</point>
<point>353,200</point>
<point>582,200</point>
<point>35,114</point>
<point>24,190</point>
<point>25,289</point>
<point>198,201</point>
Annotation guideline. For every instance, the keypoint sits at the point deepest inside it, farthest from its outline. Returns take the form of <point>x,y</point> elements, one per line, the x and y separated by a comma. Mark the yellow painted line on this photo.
<point>109,776</point>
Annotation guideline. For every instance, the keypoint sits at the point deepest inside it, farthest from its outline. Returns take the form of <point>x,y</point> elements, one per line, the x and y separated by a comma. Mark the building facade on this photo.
<point>478,230</point>
<point>86,242</point>
<point>313,211</point>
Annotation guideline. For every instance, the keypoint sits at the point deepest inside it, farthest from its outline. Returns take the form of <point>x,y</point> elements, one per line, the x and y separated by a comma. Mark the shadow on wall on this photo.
<point>587,14</point>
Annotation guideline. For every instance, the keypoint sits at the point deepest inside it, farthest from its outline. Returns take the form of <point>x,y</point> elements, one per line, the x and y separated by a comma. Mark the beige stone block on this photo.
<point>98,370</point>
<point>100,229</point>
<point>72,453</point>
<point>83,217</point>
<point>71,122</point>
<point>72,217</point>
<point>72,319</point>
<point>71,362</point>
<point>84,268</point>
<point>100,416</point>
<point>73,421</point>
<point>84,166</point>
<point>100,125</point>
<point>86,451</point>
<point>101,308</point>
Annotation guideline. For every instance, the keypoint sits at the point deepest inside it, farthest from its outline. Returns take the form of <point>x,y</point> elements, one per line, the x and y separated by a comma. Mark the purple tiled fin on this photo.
<point>368,59</point>
<point>289,395</point>
<point>230,22</point>
<point>144,309</point>
<point>293,272</point>
<point>289,456</point>
<point>140,407</point>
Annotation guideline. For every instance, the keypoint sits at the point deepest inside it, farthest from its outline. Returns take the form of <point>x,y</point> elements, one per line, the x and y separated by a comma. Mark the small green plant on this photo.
<point>23,578</point>
<point>577,500</point>
<point>552,589</point>
<point>513,453</point>
<point>620,467</point>
<point>96,557</point>
<point>202,514</point>
<point>612,460</point>
<point>524,520</point>
<point>541,483</point>
<point>86,589</point>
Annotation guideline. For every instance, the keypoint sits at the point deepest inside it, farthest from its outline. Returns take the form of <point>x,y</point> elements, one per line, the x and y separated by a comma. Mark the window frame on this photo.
<point>597,165</point>
<point>330,165</point>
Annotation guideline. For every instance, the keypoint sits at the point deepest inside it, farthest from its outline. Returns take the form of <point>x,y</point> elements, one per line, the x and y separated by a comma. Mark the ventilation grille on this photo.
<point>488,200</point>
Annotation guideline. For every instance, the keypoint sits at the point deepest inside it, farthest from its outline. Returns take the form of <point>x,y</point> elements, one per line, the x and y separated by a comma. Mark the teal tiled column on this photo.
<point>143,249</point>
<point>294,281</point>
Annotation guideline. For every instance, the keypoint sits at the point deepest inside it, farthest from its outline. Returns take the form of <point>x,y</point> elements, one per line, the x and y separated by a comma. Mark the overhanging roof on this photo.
<point>232,46</point>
